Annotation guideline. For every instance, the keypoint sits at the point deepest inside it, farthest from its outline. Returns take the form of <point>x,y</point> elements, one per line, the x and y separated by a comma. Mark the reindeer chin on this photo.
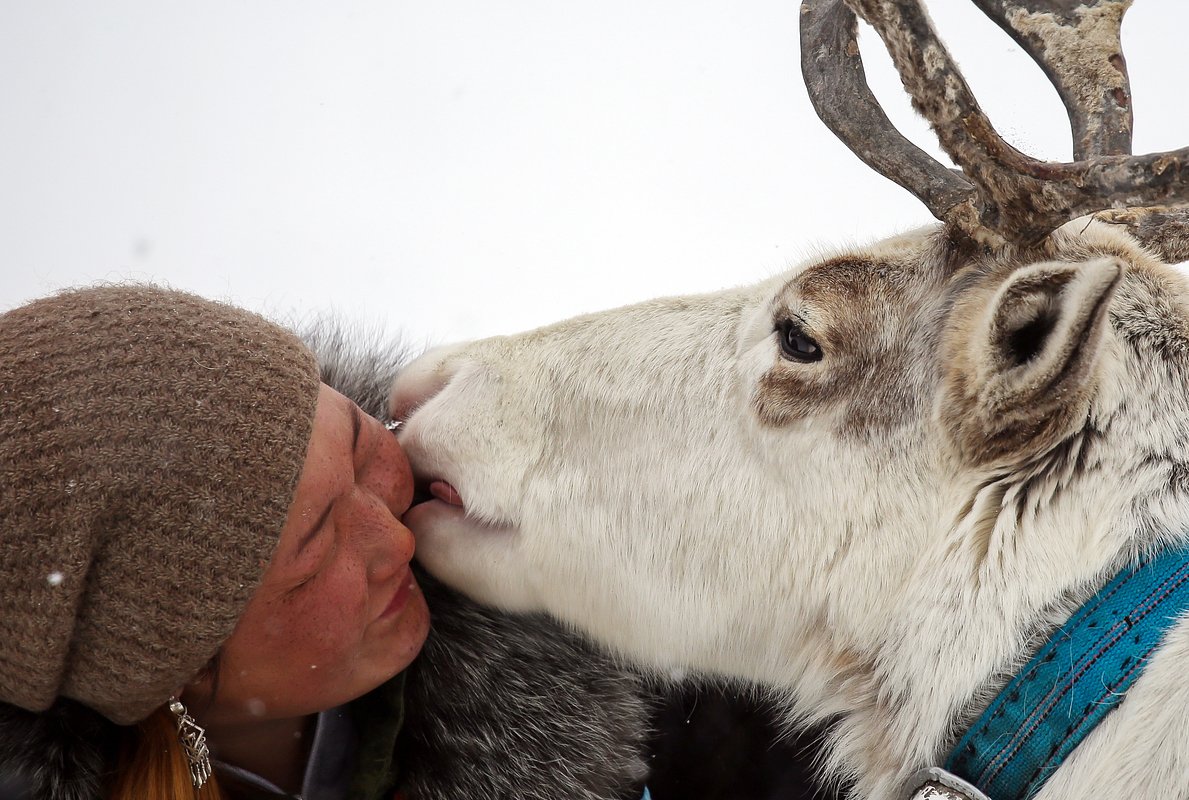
<point>469,554</point>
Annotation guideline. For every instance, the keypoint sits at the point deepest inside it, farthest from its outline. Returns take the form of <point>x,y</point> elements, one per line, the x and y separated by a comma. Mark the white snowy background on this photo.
<point>460,168</point>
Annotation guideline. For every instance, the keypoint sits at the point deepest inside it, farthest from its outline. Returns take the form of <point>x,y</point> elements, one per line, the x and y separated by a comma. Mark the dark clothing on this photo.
<point>713,744</point>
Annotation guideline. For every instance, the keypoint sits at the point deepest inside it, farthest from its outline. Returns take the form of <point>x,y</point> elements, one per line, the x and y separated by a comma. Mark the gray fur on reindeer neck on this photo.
<point>497,706</point>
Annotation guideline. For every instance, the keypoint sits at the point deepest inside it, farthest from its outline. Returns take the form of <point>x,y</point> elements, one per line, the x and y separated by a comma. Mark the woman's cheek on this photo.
<point>343,602</point>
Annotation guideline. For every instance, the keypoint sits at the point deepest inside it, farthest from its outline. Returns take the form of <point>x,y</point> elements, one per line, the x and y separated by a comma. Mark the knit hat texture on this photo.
<point>150,444</point>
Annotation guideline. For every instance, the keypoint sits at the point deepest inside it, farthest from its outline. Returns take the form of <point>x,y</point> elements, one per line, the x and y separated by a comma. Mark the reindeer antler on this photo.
<point>833,69</point>
<point>1007,196</point>
<point>1077,45</point>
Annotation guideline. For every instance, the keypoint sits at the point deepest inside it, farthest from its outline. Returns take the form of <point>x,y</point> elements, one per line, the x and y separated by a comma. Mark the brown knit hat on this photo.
<point>150,443</point>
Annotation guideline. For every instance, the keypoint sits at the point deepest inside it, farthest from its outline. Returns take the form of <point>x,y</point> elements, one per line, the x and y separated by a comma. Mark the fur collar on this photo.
<point>61,754</point>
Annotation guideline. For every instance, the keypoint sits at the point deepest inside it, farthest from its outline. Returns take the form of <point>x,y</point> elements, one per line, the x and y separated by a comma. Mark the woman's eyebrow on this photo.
<point>356,428</point>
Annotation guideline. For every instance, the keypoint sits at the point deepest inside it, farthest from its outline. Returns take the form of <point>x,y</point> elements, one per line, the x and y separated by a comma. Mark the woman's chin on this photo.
<point>396,641</point>
<point>411,630</point>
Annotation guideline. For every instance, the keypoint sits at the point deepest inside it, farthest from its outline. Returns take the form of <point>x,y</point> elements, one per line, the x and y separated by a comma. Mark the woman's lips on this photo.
<point>400,598</point>
<point>446,493</point>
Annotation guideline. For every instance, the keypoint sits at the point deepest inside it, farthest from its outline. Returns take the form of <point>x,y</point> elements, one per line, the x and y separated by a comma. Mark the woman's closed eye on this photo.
<point>320,561</point>
<point>317,548</point>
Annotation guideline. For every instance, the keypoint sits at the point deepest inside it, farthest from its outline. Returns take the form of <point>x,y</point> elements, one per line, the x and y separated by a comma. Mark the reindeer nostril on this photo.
<point>419,382</point>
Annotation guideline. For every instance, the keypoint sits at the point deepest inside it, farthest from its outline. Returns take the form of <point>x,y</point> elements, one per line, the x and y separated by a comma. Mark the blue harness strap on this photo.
<point>1080,675</point>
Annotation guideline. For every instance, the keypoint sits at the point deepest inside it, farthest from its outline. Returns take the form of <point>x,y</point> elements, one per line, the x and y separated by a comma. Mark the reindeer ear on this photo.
<point>1024,374</point>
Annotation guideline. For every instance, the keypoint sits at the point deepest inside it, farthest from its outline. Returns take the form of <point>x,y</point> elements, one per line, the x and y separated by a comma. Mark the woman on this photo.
<point>203,560</point>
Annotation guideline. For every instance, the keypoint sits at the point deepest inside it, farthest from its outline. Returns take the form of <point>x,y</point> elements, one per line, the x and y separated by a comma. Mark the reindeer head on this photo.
<point>797,481</point>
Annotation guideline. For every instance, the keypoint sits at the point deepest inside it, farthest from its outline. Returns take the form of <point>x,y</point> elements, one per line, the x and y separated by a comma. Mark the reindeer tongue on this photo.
<point>445,492</point>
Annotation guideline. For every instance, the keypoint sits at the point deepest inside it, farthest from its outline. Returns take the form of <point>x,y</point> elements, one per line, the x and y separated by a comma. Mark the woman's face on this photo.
<point>338,611</point>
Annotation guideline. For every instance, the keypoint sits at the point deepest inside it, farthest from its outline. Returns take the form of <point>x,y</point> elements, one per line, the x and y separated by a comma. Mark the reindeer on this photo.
<point>879,482</point>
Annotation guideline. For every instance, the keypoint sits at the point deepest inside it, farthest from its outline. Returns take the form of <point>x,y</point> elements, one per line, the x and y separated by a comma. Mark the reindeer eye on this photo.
<point>795,344</point>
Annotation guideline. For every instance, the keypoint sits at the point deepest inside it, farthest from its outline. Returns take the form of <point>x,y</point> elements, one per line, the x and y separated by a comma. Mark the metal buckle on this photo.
<point>935,783</point>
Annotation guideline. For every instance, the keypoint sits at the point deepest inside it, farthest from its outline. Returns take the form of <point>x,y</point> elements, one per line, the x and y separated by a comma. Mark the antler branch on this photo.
<point>1163,230</point>
<point>1077,45</point>
<point>1017,197</point>
<point>833,69</point>
<point>1024,199</point>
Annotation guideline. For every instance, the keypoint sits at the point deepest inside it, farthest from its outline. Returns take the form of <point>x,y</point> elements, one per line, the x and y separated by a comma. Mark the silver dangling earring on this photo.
<point>393,424</point>
<point>193,739</point>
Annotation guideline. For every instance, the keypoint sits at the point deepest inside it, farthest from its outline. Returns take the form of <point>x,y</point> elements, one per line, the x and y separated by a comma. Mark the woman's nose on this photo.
<point>382,541</point>
<point>389,476</point>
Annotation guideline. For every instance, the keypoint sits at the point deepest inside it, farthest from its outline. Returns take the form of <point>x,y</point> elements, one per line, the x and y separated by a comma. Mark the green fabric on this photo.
<point>378,716</point>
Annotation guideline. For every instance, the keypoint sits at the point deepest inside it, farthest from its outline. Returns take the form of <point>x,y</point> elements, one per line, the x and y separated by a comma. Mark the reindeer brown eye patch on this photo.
<point>795,344</point>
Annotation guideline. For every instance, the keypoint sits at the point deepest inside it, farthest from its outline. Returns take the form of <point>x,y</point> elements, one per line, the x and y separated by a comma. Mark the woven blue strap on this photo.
<point>1074,681</point>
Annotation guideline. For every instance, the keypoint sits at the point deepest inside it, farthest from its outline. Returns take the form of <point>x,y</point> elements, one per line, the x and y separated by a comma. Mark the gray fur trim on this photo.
<point>358,361</point>
<point>59,754</point>
<point>502,706</point>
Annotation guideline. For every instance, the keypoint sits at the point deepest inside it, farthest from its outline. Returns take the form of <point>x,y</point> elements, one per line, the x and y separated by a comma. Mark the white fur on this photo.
<point>616,473</point>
